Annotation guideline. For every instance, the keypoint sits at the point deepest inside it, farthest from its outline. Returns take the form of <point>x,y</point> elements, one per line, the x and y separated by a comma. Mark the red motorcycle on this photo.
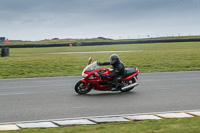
<point>92,79</point>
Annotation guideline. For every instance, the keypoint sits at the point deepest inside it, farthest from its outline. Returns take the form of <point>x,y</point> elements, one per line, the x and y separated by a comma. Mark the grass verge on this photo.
<point>42,62</point>
<point>184,125</point>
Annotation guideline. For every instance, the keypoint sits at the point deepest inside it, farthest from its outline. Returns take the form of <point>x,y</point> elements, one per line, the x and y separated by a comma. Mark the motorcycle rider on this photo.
<point>118,73</point>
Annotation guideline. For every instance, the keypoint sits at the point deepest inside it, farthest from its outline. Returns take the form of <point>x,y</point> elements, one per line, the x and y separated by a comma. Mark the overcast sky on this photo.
<point>117,19</point>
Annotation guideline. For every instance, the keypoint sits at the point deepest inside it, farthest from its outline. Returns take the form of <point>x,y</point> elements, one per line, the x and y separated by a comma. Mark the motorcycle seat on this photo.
<point>129,71</point>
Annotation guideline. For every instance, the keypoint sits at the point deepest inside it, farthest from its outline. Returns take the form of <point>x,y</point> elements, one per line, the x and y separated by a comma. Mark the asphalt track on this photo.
<point>54,97</point>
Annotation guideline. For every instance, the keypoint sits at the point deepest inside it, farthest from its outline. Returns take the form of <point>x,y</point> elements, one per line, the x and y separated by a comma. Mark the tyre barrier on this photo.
<point>102,43</point>
<point>5,51</point>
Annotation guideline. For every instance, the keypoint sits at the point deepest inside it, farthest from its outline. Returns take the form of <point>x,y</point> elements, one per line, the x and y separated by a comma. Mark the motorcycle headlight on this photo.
<point>84,75</point>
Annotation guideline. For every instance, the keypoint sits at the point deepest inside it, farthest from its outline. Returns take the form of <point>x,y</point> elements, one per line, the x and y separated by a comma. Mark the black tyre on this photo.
<point>79,88</point>
<point>128,83</point>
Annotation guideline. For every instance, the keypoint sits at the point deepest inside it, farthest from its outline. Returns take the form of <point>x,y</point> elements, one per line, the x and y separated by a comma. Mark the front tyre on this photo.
<point>79,88</point>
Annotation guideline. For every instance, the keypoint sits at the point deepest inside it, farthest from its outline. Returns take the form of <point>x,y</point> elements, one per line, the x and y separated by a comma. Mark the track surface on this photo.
<point>54,98</point>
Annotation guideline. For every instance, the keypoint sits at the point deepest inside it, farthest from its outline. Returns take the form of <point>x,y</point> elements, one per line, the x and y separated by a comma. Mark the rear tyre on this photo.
<point>79,88</point>
<point>126,83</point>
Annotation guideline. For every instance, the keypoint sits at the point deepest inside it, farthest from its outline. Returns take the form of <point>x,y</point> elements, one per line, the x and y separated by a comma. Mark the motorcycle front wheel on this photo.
<point>79,88</point>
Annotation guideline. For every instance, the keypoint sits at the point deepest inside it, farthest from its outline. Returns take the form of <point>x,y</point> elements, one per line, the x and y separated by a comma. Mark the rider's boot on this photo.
<point>119,86</point>
<point>116,87</point>
<point>111,87</point>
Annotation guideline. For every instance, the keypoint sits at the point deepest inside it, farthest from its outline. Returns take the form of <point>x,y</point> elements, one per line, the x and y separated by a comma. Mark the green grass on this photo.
<point>184,125</point>
<point>158,57</point>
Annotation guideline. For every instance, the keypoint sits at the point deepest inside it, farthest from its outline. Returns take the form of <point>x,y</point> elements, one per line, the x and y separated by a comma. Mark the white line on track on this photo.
<point>83,52</point>
<point>96,52</point>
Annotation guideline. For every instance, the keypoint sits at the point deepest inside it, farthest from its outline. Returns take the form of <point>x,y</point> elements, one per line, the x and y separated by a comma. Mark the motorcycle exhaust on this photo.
<point>130,86</point>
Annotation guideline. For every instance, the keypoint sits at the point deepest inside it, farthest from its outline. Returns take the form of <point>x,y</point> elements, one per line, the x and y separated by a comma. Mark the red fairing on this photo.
<point>86,83</point>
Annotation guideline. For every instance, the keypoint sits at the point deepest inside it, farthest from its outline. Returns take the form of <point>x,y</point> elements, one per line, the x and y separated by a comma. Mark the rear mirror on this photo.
<point>90,60</point>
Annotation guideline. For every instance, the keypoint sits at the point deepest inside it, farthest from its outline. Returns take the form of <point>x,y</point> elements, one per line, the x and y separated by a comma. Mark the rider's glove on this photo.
<point>99,63</point>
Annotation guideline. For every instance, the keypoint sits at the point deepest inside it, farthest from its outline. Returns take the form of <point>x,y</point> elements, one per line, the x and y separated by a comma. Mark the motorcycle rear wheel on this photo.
<point>79,88</point>
<point>133,80</point>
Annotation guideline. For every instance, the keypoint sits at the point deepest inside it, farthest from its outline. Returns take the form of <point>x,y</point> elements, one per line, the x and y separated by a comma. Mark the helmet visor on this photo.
<point>113,61</point>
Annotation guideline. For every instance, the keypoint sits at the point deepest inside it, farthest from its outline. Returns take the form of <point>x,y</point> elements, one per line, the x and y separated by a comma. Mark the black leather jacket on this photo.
<point>119,69</point>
